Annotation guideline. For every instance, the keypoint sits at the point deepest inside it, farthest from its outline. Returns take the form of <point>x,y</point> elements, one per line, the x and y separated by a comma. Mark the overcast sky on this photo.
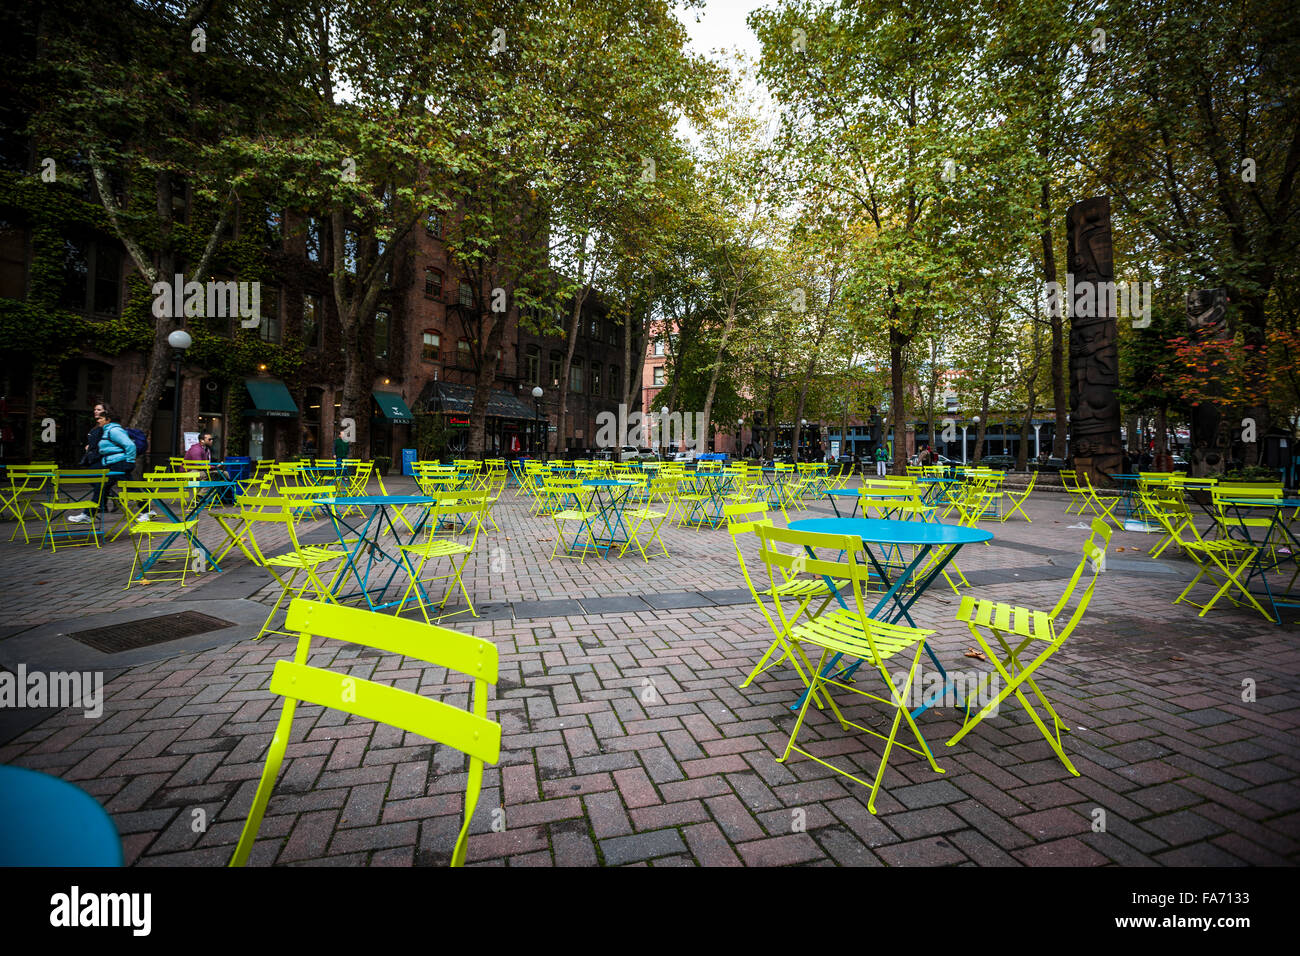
<point>721,24</point>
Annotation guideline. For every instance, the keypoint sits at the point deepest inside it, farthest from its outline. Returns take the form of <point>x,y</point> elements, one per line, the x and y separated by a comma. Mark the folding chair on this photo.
<point>19,499</point>
<point>1166,506</point>
<point>846,630</point>
<point>465,508</point>
<point>1222,560</point>
<point>743,520</point>
<point>1103,506</point>
<point>89,485</point>
<point>260,518</point>
<point>1018,501</point>
<point>1074,487</point>
<point>573,504</point>
<point>1035,629</point>
<point>468,731</point>
<point>637,518</point>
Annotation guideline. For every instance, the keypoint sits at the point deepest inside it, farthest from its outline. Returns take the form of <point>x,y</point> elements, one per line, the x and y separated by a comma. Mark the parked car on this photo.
<point>683,456</point>
<point>1048,465</point>
<point>1003,462</point>
<point>626,453</point>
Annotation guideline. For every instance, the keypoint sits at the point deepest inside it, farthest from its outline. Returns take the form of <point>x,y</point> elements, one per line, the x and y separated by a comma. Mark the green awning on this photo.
<point>270,399</point>
<point>393,408</point>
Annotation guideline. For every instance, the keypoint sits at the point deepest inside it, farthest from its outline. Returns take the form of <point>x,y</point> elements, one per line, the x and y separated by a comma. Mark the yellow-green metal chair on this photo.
<point>1034,631</point>
<point>849,631</point>
<point>470,732</point>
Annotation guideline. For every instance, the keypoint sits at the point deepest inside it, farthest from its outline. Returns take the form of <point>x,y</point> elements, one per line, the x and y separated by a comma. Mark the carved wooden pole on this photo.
<point>1095,441</point>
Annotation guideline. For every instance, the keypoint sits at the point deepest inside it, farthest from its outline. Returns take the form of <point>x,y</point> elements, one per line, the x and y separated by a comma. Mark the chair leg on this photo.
<point>274,758</point>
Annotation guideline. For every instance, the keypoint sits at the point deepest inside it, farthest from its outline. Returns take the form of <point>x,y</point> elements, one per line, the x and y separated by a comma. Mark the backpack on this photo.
<point>141,441</point>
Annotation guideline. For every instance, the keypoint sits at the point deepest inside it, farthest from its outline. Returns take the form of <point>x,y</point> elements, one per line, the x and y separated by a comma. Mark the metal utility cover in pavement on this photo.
<point>155,630</point>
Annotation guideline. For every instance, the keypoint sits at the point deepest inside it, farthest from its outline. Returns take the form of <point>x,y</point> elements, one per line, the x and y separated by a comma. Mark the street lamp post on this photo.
<point>976,420</point>
<point>740,436</point>
<point>179,341</point>
<point>663,439</point>
<point>537,423</point>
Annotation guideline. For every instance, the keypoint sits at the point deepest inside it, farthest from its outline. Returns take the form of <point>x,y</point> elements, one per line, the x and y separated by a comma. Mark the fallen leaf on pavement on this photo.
<point>972,652</point>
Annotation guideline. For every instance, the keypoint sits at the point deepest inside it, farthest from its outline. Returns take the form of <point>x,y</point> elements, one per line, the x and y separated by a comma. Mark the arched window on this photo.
<point>532,365</point>
<point>432,345</point>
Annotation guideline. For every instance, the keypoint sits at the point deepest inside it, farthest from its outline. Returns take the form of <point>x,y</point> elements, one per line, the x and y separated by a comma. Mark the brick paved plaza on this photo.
<point>627,740</point>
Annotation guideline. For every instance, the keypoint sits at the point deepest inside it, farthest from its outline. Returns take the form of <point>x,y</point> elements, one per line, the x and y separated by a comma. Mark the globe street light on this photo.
<point>537,422</point>
<point>179,341</point>
<point>663,442</point>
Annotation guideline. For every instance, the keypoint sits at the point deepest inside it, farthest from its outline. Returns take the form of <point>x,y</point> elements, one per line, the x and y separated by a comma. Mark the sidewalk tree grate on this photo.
<point>132,635</point>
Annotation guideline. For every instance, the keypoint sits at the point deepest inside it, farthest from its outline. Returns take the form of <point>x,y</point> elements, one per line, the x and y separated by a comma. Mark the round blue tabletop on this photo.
<point>377,500</point>
<point>606,483</point>
<point>933,480</point>
<point>884,531</point>
<point>45,821</point>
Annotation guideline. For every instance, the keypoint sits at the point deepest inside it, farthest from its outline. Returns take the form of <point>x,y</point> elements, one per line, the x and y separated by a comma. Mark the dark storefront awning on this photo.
<point>270,399</point>
<point>459,399</point>
<point>392,407</point>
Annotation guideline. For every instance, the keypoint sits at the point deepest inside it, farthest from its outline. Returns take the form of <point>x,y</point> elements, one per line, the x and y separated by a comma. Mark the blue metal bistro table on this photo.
<point>45,821</point>
<point>369,563</point>
<point>925,537</point>
<point>607,528</point>
<point>1277,546</point>
<point>211,493</point>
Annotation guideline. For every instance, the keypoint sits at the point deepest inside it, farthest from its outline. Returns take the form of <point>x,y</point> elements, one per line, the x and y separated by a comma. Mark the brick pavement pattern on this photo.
<point>627,740</point>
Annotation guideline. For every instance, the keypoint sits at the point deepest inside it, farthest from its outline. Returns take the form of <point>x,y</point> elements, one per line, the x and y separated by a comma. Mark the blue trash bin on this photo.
<point>238,467</point>
<point>409,457</point>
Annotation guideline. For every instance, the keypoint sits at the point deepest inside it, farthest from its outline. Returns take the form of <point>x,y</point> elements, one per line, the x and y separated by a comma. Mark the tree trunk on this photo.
<point>983,425</point>
<point>484,381</point>
<point>574,319</point>
<point>717,368</point>
<point>896,342</point>
<point>1059,398</point>
<point>354,389</point>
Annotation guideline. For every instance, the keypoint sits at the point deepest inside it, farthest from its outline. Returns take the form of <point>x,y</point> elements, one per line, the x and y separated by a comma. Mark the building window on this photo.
<point>554,369</point>
<point>615,382</point>
<point>92,277</point>
<point>313,399</point>
<point>313,240</point>
<point>382,322</point>
<point>312,319</point>
<point>465,295</point>
<point>268,329</point>
<point>659,375</point>
<point>593,330</point>
<point>613,333</point>
<point>433,283</point>
<point>659,347</point>
<point>433,223</point>
<point>532,364</point>
<point>108,279</point>
<point>432,343</point>
<point>595,378</point>
<point>575,376</point>
<point>464,354</point>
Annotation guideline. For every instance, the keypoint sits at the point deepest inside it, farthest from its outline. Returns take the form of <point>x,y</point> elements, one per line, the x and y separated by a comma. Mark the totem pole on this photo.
<point>1095,443</point>
<point>1207,320</point>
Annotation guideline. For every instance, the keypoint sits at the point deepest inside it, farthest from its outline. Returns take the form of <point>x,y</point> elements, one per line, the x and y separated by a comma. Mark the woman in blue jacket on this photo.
<point>116,452</point>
